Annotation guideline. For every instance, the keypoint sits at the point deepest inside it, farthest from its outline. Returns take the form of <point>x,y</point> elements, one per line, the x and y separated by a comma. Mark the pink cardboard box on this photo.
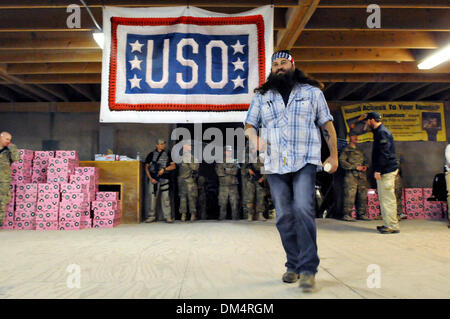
<point>413,196</point>
<point>103,214</point>
<point>86,223</point>
<point>105,223</point>
<point>69,215</point>
<point>26,198</point>
<point>107,204</point>
<point>48,188</point>
<point>24,153</point>
<point>25,207</point>
<point>26,188</point>
<point>100,196</point>
<point>432,210</point>
<point>46,225</point>
<point>8,224</point>
<point>41,155</point>
<point>25,225</point>
<point>427,193</point>
<point>415,211</point>
<point>67,154</point>
<point>73,197</point>
<point>69,225</point>
<point>24,215</point>
<point>47,215</point>
<point>87,171</point>
<point>49,197</point>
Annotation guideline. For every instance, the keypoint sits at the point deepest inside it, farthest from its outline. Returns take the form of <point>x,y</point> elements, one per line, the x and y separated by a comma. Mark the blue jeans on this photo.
<point>293,196</point>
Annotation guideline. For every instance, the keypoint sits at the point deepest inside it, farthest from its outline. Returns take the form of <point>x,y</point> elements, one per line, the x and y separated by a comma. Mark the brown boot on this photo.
<point>307,282</point>
<point>290,277</point>
<point>193,218</point>
<point>260,217</point>
<point>183,217</point>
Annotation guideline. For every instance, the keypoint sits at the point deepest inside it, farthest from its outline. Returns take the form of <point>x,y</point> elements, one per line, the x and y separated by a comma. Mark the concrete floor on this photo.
<point>210,259</point>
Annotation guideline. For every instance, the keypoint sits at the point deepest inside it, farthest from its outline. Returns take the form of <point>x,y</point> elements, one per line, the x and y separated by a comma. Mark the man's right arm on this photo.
<point>447,156</point>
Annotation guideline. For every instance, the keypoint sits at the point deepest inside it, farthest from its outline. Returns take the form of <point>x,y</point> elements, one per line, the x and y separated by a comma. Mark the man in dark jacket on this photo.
<point>385,168</point>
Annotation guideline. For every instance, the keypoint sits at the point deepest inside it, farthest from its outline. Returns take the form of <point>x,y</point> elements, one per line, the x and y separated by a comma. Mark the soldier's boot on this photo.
<point>272,214</point>
<point>151,219</point>
<point>348,218</point>
<point>223,214</point>
<point>260,217</point>
<point>169,219</point>
<point>363,217</point>
<point>193,217</point>
<point>183,217</point>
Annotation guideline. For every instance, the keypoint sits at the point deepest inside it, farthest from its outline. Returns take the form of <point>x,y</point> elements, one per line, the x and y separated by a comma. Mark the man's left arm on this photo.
<point>329,134</point>
<point>14,153</point>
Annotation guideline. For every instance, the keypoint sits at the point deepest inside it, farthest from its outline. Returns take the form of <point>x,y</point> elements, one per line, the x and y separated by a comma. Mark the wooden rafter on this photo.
<point>84,90</point>
<point>405,89</point>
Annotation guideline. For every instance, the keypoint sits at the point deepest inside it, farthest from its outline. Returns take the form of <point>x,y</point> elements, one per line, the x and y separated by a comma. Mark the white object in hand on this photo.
<point>327,167</point>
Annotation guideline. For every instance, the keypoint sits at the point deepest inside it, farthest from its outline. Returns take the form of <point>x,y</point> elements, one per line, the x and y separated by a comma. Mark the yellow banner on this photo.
<point>407,121</point>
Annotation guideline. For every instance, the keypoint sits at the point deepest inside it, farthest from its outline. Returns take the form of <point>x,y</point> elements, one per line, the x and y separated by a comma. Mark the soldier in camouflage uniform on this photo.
<point>353,161</point>
<point>399,192</point>
<point>244,182</point>
<point>228,185</point>
<point>255,197</point>
<point>187,183</point>
<point>158,165</point>
<point>8,154</point>
<point>202,197</point>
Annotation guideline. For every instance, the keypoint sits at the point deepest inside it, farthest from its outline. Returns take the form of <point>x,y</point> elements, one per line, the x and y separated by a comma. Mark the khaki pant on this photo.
<point>447,181</point>
<point>163,191</point>
<point>388,202</point>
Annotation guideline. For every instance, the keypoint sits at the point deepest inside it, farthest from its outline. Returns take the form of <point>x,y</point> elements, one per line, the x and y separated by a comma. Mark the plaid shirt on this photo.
<point>293,131</point>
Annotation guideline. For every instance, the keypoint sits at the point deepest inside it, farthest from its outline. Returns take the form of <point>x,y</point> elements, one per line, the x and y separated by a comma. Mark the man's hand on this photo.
<point>334,164</point>
<point>261,180</point>
<point>258,143</point>
<point>364,168</point>
<point>251,172</point>
<point>153,181</point>
<point>377,176</point>
<point>161,171</point>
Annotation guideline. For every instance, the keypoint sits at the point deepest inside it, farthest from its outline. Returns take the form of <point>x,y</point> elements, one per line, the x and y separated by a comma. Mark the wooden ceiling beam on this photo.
<point>55,56</point>
<point>21,4</point>
<point>338,4</point>
<point>62,78</point>
<point>47,40</point>
<point>367,67</point>
<point>348,89</point>
<point>366,39</point>
<point>7,94</point>
<point>404,89</point>
<point>55,90</point>
<point>443,78</point>
<point>377,89</point>
<point>84,90</point>
<point>297,19</point>
<point>22,92</point>
<point>54,68</point>
<point>391,20</point>
<point>431,90</point>
<point>45,107</point>
<point>349,55</point>
<point>56,19</point>
<point>9,79</point>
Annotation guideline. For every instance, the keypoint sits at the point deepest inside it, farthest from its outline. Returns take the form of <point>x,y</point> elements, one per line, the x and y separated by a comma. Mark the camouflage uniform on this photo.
<point>399,192</point>
<point>187,186</point>
<point>202,198</point>
<point>255,197</point>
<point>228,188</point>
<point>355,182</point>
<point>7,156</point>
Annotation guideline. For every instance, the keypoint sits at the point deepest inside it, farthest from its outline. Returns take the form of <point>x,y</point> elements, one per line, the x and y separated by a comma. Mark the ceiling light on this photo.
<point>437,58</point>
<point>99,37</point>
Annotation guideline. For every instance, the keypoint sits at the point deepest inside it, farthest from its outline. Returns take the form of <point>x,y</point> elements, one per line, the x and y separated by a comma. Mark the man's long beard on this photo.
<point>281,82</point>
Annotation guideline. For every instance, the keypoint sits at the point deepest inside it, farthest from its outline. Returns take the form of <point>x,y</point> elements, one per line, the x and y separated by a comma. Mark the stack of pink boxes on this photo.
<point>22,170</point>
<point>373,204</point>
<point>432,209</point>
<point>63,202</point>
<point>47,207</point>
<point>25,212</point>
<point>107,210</point>
<point>414,203</point>
<point>40,165</point>
<point>8,222</point>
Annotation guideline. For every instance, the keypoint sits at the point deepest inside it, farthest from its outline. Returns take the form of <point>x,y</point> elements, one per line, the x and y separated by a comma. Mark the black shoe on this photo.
<point>364,217</point>
<point>386,230</point>
<point>380,227</point>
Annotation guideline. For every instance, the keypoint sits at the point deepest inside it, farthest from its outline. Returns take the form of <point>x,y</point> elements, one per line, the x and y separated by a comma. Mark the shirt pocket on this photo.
<point>268,114</point>
<point>302,106</point>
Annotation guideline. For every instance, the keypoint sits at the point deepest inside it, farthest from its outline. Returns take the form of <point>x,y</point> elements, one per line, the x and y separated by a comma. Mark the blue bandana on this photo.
<point>283,54</point>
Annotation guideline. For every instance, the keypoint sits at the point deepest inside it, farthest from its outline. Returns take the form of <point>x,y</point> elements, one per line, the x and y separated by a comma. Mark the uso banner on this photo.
<point>183,64</point>
<point>407,121</point>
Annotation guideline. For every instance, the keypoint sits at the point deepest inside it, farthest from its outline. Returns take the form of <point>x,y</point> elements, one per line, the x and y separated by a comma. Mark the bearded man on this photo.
<point>292,109</point>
